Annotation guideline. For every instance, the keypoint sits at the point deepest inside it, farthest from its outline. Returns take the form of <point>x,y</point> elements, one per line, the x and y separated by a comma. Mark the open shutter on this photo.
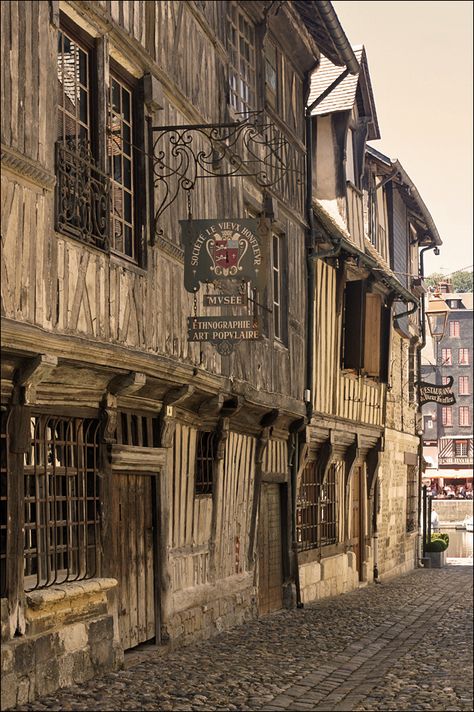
<point>353,325</point>
<point>386,344</point>
<point>373,315</point>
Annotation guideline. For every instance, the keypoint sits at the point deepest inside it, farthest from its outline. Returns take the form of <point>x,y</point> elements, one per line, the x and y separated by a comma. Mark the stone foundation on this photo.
<point>71,636</point>
<point>329,577</point>
<point>208,612</point>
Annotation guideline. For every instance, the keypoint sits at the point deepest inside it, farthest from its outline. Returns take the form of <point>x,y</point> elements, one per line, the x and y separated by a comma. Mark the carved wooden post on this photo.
<point>19,442</point>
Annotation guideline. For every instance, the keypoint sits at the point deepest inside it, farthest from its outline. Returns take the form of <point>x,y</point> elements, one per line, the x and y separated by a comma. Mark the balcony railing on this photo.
<point>82,195</point>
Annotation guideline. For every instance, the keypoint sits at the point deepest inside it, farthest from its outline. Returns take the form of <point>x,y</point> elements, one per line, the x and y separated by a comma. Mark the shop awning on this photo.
<point>448,474</point>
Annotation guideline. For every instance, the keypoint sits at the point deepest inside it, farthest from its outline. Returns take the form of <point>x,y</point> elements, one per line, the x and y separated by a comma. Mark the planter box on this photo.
<point>437,558</point>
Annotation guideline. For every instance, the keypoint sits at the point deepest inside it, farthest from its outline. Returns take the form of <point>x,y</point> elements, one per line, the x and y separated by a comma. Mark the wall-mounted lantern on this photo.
<point>437,316</point>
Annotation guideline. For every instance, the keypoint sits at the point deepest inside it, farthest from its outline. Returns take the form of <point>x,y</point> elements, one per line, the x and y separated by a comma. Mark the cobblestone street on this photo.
<point>405,644</point>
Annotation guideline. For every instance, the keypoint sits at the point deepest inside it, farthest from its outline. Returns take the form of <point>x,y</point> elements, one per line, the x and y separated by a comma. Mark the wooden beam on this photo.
<point>126,384</point>
<point>212,406</point>
<point>262,444</point>
<point>32,373</point>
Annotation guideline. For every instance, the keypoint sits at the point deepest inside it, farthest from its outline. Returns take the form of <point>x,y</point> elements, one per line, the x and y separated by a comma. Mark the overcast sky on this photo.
<point>420,63</point>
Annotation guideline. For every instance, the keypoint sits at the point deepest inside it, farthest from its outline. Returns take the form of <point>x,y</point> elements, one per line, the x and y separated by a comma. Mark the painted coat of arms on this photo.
<point>223,249</point>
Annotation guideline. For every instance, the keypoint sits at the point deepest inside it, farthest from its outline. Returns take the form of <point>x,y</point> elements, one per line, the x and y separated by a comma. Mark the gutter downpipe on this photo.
<point>419,349</point>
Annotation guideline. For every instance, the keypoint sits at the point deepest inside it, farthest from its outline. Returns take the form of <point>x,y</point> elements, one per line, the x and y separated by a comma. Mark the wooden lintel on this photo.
<point>126,384</point>
<point>33,372</point>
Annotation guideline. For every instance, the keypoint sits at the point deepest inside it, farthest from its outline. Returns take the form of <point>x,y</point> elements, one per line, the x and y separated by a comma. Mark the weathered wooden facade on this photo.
<point>148,483</point>
<point>357,513</point>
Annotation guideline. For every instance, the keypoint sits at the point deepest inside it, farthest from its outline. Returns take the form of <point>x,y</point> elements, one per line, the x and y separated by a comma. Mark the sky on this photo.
<point>420,63</point>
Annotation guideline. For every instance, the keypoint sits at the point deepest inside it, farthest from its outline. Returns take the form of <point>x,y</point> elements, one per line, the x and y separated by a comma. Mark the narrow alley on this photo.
<point>405,644</point>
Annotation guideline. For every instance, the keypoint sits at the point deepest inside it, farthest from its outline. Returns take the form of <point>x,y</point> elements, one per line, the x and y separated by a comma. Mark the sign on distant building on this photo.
<point>431,393</point>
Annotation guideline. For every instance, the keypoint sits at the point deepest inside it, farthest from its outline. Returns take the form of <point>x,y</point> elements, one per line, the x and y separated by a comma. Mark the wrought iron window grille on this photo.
<point>62,501</point>
<point>206,452</point>
<point>253,147</point>
<point>82,194</point>
<point>317,510</point>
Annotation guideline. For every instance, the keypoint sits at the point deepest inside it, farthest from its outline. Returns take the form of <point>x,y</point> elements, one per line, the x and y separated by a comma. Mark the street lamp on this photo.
<point>437,317</point>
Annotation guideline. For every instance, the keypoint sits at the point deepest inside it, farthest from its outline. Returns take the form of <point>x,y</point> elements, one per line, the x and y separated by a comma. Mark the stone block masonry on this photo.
<point>70,637</point>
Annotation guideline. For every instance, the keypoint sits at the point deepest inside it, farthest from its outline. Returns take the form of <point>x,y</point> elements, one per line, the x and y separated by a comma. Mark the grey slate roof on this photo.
<point>343,97</point>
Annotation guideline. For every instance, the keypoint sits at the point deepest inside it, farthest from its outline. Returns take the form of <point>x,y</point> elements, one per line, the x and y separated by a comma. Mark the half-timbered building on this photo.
<point>357,497</point>
<point>148,477</point>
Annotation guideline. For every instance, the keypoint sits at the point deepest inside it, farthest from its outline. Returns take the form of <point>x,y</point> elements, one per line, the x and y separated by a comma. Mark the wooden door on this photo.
<point>356,536</point>
<point>136,566</point>
<point>270,560</point>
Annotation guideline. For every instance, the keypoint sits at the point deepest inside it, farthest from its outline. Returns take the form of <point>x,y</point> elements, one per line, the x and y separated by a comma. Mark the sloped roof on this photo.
<point>465,297</point>
<point>323,24</point>
<point>343,96</point>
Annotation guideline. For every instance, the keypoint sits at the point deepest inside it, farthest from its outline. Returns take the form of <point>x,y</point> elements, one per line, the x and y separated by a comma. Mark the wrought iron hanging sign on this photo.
<point>222,250</point>
<point>253,147</point>
<point>431,393</point>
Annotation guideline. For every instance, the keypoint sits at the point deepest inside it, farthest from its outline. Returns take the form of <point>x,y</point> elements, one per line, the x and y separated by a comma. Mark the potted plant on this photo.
<point>436,549</point>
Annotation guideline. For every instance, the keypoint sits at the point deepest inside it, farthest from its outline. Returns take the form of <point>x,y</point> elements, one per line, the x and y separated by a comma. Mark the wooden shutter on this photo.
<point>353,325</point>
<point>386,343</point>
<point>373,314</point>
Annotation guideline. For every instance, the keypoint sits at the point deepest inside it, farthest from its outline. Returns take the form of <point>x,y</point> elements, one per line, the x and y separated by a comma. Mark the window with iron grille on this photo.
<point>82,190</point>
<point>412,500</point>
<point>139,430</point>
<point>242,60</point>
<point>317,509</point>
<point>3,501</point>
<point>206,451</point>
<point>62,505</point>
<point>98,166</point>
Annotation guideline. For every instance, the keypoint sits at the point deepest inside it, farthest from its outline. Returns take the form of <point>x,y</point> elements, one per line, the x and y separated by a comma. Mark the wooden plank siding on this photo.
<point>80,290</point>
<point>346,395</point>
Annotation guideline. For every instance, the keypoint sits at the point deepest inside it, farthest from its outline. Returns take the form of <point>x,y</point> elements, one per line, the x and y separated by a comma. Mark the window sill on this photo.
<point>121,261</point>
<point>68,591</point>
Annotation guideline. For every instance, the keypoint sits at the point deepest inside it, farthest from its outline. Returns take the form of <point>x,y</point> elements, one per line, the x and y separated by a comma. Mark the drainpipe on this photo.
<point>419,349</point>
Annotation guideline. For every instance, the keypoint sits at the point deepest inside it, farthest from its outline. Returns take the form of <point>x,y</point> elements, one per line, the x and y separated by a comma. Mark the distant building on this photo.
<point>447,430</point>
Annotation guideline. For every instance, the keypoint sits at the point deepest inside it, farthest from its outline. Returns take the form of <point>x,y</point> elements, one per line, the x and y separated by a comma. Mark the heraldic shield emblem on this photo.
<point>226,252</point>
<point>223,249</point>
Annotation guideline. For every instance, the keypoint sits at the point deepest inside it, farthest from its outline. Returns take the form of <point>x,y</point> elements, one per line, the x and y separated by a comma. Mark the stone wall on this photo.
<point>452,510</point>
<point>201,612</point>
<point>71,635</point>
<point>329,577</point>
<point>395,547</point>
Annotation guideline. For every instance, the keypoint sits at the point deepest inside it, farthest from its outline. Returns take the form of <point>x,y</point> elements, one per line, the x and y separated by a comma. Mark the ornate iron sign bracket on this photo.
<point>253,147</point>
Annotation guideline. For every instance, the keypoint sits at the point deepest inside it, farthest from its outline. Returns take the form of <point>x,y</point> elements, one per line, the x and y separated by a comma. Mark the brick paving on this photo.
<point>405,644</point>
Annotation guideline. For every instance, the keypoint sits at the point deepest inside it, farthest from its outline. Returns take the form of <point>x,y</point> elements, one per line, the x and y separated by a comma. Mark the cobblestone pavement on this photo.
<point>403,645</point>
